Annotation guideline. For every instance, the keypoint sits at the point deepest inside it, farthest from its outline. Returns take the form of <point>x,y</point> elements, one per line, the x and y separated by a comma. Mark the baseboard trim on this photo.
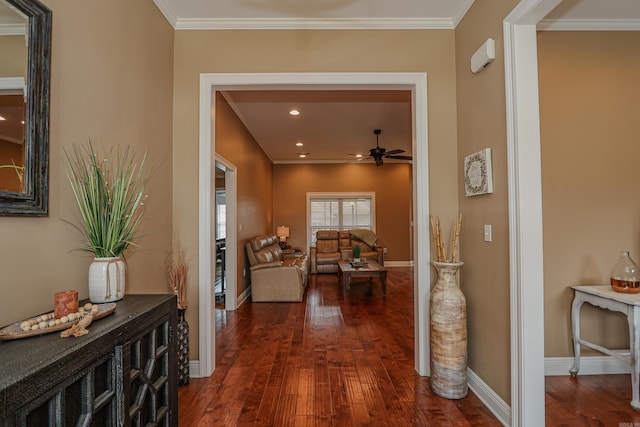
<point>490,398</point>
<point>589,365</point>
<point>194,369</point>
<point>244,296</point>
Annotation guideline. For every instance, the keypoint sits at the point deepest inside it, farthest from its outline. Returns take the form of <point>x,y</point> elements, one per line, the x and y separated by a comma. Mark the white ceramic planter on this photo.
<point>106,280</point>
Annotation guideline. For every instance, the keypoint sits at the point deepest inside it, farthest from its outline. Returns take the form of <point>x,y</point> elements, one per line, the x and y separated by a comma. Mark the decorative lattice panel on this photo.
<point>149,378</point>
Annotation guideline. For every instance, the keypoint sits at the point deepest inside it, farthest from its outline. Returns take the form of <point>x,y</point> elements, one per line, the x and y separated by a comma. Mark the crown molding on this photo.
<point>13,29</point>
<point>315,23</point>
<point>589,25</point>
<point>166,10</point>
<point>462,11</point>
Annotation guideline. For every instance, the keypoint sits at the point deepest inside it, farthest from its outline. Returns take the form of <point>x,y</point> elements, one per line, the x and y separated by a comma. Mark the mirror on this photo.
<point>25,46</point>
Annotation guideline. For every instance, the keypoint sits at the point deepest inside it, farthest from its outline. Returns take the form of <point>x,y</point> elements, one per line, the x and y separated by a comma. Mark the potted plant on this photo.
<point>109,190</point>
<point>356,252</point>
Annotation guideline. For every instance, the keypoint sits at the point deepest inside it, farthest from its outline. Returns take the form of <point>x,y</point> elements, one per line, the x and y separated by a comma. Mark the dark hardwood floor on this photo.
<point>334,361</point>
<point>590,400</point>
<point>328,361</point>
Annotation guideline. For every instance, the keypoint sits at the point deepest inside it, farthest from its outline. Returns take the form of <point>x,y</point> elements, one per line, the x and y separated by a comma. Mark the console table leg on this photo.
<point>575,327</point>
<point>634,345</point>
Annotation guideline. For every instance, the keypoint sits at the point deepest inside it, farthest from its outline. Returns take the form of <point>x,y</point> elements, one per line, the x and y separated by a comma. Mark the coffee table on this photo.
<point>346,272</point>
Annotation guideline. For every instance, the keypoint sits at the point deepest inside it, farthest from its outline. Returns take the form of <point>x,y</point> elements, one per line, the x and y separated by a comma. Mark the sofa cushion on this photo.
<point>265,255</point>
<point>327,257</point>
<point>327,241</point>
<point>259,242</point>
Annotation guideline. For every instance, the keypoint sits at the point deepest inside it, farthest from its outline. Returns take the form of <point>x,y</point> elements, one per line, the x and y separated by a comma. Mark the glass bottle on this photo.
<point>625,276</point>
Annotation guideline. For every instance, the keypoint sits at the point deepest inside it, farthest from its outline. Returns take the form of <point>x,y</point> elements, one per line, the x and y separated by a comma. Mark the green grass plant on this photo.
<point>109,191</point>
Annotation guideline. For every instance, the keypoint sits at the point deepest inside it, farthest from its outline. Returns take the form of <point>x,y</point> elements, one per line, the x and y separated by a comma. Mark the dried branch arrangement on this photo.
<point>177,269</point>
<point>438,243</point>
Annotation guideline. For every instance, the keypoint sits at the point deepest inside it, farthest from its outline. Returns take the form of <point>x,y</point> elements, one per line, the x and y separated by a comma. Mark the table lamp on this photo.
<point>283,232</point>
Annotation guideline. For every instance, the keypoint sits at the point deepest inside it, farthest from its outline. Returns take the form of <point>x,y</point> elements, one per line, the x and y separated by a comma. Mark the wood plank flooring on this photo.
<point>328,361</point>
<point>334,361</point>
<point>590,400</point>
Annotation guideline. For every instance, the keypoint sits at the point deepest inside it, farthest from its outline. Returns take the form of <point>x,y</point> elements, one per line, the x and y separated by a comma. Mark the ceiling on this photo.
<point>335,125</point>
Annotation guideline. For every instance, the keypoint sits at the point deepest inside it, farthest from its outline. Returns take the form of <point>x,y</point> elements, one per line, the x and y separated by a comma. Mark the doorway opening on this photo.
<point>416,83</point>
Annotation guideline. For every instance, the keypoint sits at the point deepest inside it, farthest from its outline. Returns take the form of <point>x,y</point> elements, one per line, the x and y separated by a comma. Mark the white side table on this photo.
<point>629,304</point>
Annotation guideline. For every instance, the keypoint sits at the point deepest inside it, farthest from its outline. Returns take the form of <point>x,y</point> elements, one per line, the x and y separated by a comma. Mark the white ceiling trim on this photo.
<point>13,30</point>
<point>314,24</point>
<point>462,11</point>
<point>589,25</point>
<point>166,10</point>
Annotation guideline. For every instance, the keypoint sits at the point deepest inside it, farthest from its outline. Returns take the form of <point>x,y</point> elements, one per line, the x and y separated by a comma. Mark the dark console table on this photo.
<point>123,373</point>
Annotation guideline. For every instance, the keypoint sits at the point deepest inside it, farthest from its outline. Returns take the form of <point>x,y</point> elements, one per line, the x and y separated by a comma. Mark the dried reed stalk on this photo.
<point>177,269</point>
<point>438,243</point>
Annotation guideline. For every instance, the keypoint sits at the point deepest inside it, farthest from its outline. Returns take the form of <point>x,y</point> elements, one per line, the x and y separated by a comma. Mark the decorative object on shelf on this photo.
<point>356,249</point>
<point>177,269</point>
<point>64,303</point>
<point>109,190</point>
<point>106,279</point>
<point>80,328</point>
<point>47,323</point>
<point>283,233</point>
<point>478,177</point>
<point>448,321</point>
<point>448,318</point>
<point>625,276</point>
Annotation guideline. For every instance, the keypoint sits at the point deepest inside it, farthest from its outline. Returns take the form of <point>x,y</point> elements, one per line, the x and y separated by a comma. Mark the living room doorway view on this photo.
<point>216,86</point>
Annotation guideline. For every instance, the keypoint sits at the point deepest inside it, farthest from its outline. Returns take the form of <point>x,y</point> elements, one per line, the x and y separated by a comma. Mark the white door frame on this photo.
<point>210,83</point>
<point>231,240</point>
<point>525,211</point>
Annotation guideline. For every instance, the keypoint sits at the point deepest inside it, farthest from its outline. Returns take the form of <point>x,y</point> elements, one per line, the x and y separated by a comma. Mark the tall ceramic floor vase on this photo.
<point>106,280</point>
<point>448,334</point>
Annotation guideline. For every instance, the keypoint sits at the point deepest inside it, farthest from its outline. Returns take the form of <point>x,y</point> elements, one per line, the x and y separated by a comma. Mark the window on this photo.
<point>339,211</point>
<point>221,215</point>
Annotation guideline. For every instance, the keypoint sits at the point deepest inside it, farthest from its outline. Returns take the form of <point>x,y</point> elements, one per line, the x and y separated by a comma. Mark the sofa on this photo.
<point>275,277</point>
<point>334,245</point>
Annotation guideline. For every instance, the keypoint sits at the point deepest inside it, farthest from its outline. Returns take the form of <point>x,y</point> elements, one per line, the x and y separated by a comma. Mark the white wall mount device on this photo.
<point>483,56</point>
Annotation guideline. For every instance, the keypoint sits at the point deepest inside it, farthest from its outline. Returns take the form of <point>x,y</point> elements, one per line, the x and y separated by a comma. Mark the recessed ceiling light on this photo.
<point>294,112</point>
<point>2,119</point>
<point>302,155</point>
<point>299,144</point>
<point>358,155</point>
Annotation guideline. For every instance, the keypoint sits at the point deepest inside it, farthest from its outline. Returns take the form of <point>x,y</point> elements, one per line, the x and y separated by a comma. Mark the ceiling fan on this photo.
<point>380,153</point>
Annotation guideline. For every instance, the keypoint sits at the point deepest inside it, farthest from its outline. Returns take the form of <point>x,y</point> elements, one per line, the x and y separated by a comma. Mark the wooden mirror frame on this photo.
<point>34,199</point>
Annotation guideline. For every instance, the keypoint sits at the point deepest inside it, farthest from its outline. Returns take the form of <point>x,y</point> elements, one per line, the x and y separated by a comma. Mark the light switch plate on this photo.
<point>487,232</point>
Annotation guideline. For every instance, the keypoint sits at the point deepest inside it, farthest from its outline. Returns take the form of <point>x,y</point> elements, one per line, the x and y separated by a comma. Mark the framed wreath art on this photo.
<point>478,178</point>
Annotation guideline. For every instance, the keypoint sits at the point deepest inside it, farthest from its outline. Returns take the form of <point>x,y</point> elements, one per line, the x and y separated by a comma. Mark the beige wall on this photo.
<point>13,56</point>
<point>481,124</point>
<point>308,51</point>
<point>254,181</point>
<point>390,182</point>
<point>111,76</point>
<point>589,92</point>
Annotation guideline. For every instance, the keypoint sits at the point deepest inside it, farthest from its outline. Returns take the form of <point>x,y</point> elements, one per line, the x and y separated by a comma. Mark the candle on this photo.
<point>65,303</point>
